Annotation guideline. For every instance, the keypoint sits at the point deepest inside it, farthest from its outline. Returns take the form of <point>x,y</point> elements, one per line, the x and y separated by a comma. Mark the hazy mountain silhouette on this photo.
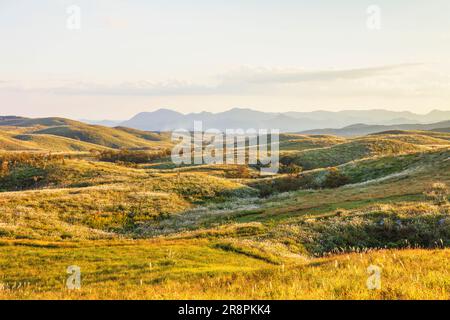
<point>166,120</point>
<point>364,129</point>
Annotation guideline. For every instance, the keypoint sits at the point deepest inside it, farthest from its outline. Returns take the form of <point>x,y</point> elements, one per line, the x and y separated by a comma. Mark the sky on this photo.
<point>110,59</point>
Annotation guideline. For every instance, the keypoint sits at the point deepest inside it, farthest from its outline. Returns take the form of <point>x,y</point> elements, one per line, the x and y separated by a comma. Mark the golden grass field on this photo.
<point>155,231</point>
<point>195,270</point>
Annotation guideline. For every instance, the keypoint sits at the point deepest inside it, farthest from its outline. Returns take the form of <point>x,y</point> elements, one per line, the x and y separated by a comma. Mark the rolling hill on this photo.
<point>296,142</point>
<point>11,141</point>
<point>103,136</point>
<point>349,151</point>
<point>442,129</point>
<point>59,134</point>
<point>425,138</point>
<point>153,229</point>
<point>28,122</point>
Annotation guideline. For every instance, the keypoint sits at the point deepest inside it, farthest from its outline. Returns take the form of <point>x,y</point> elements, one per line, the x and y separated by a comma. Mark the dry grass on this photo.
<point>204,235</point>
<point>195,270</point>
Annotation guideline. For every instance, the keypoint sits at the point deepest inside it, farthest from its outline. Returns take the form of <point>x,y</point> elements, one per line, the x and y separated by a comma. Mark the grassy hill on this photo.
<point>7,142</point>
<point>64,135</point>
<point>147,135</point>
<point>154,230</point>
<point>442,130</point>
<point>189,270</point>
<point>107,137</point>
<point>27,122</point>
<point>418,138</point>
<point>359,171</point>
<point>349,151</point>
<point>81,194</point>
<point>297,142</point>
<point>14,141</point>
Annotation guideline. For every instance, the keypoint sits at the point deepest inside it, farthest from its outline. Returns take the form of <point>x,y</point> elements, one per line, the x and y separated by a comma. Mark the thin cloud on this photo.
<point>245,81</point>
<point>264,76</point>
<point>141,88</point>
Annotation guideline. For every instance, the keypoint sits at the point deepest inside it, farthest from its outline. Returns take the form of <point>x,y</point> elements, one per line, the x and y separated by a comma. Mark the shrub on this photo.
<point>19,171</point>
<point>284,184</point>
<point>438,192</point>
<point>131,156</point>
<point>4,168</point>
<point>242,172</point>
<point>335,179</point>
<point>291,169</point>
<point>389,226</point>
<point>287,160</point>
<point>266,190</point>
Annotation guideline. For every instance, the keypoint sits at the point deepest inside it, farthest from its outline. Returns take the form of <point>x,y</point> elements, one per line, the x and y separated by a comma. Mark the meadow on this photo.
<point>109,201</point>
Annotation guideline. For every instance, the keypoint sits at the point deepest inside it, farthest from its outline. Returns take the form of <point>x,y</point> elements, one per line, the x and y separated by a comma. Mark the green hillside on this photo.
<point>104,136</point>
<point>358,171</point>
<point>349,151</point>
<point>141,227</point>
<point>13,141</point>
<point>297,142</point>
<point>147,135</point>
<point>442,130</point>
<point>47,134</point>
<point>27,122</point>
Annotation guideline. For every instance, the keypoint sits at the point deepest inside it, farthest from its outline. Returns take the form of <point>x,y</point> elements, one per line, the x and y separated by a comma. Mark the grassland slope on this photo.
<point>349,151</point>
<point>16,141</point>
<point>105,136</point>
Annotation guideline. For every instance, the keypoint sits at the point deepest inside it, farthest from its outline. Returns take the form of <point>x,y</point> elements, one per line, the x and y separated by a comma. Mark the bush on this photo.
<point>266,190</point>
<point>335,179</point>
<point>287,160</point>
<point>438,192</point>
<point>11,160</point>
<point>129,156</point>
<point>19,171</point>
<point>291,169</point>
<point>242,172</point>
<point>4,168</point>
<point>400,226</point>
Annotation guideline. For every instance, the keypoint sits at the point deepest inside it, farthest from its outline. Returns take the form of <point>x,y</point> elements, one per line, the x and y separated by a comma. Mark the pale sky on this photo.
<point>130,56</point>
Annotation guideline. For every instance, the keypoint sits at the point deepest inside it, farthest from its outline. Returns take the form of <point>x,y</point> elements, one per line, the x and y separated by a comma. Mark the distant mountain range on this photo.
<point>342,123</point>
<point>167,120</point>
<point>364,129</point>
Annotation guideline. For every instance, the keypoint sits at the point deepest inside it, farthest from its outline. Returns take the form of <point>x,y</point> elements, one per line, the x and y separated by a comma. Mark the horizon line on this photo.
<point>227,110</point>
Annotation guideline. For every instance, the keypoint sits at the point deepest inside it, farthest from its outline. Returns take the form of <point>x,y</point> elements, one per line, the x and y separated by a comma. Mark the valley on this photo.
<point>110,201</point>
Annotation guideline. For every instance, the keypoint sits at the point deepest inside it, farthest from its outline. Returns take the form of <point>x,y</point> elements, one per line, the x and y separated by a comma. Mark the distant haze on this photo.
<point>238,118</point>
<point>132,56</point>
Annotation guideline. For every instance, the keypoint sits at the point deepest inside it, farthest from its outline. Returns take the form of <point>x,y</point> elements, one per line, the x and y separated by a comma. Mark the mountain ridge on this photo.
<point>360,129</point>
<point>342,123</point>
<point>245,118</point>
